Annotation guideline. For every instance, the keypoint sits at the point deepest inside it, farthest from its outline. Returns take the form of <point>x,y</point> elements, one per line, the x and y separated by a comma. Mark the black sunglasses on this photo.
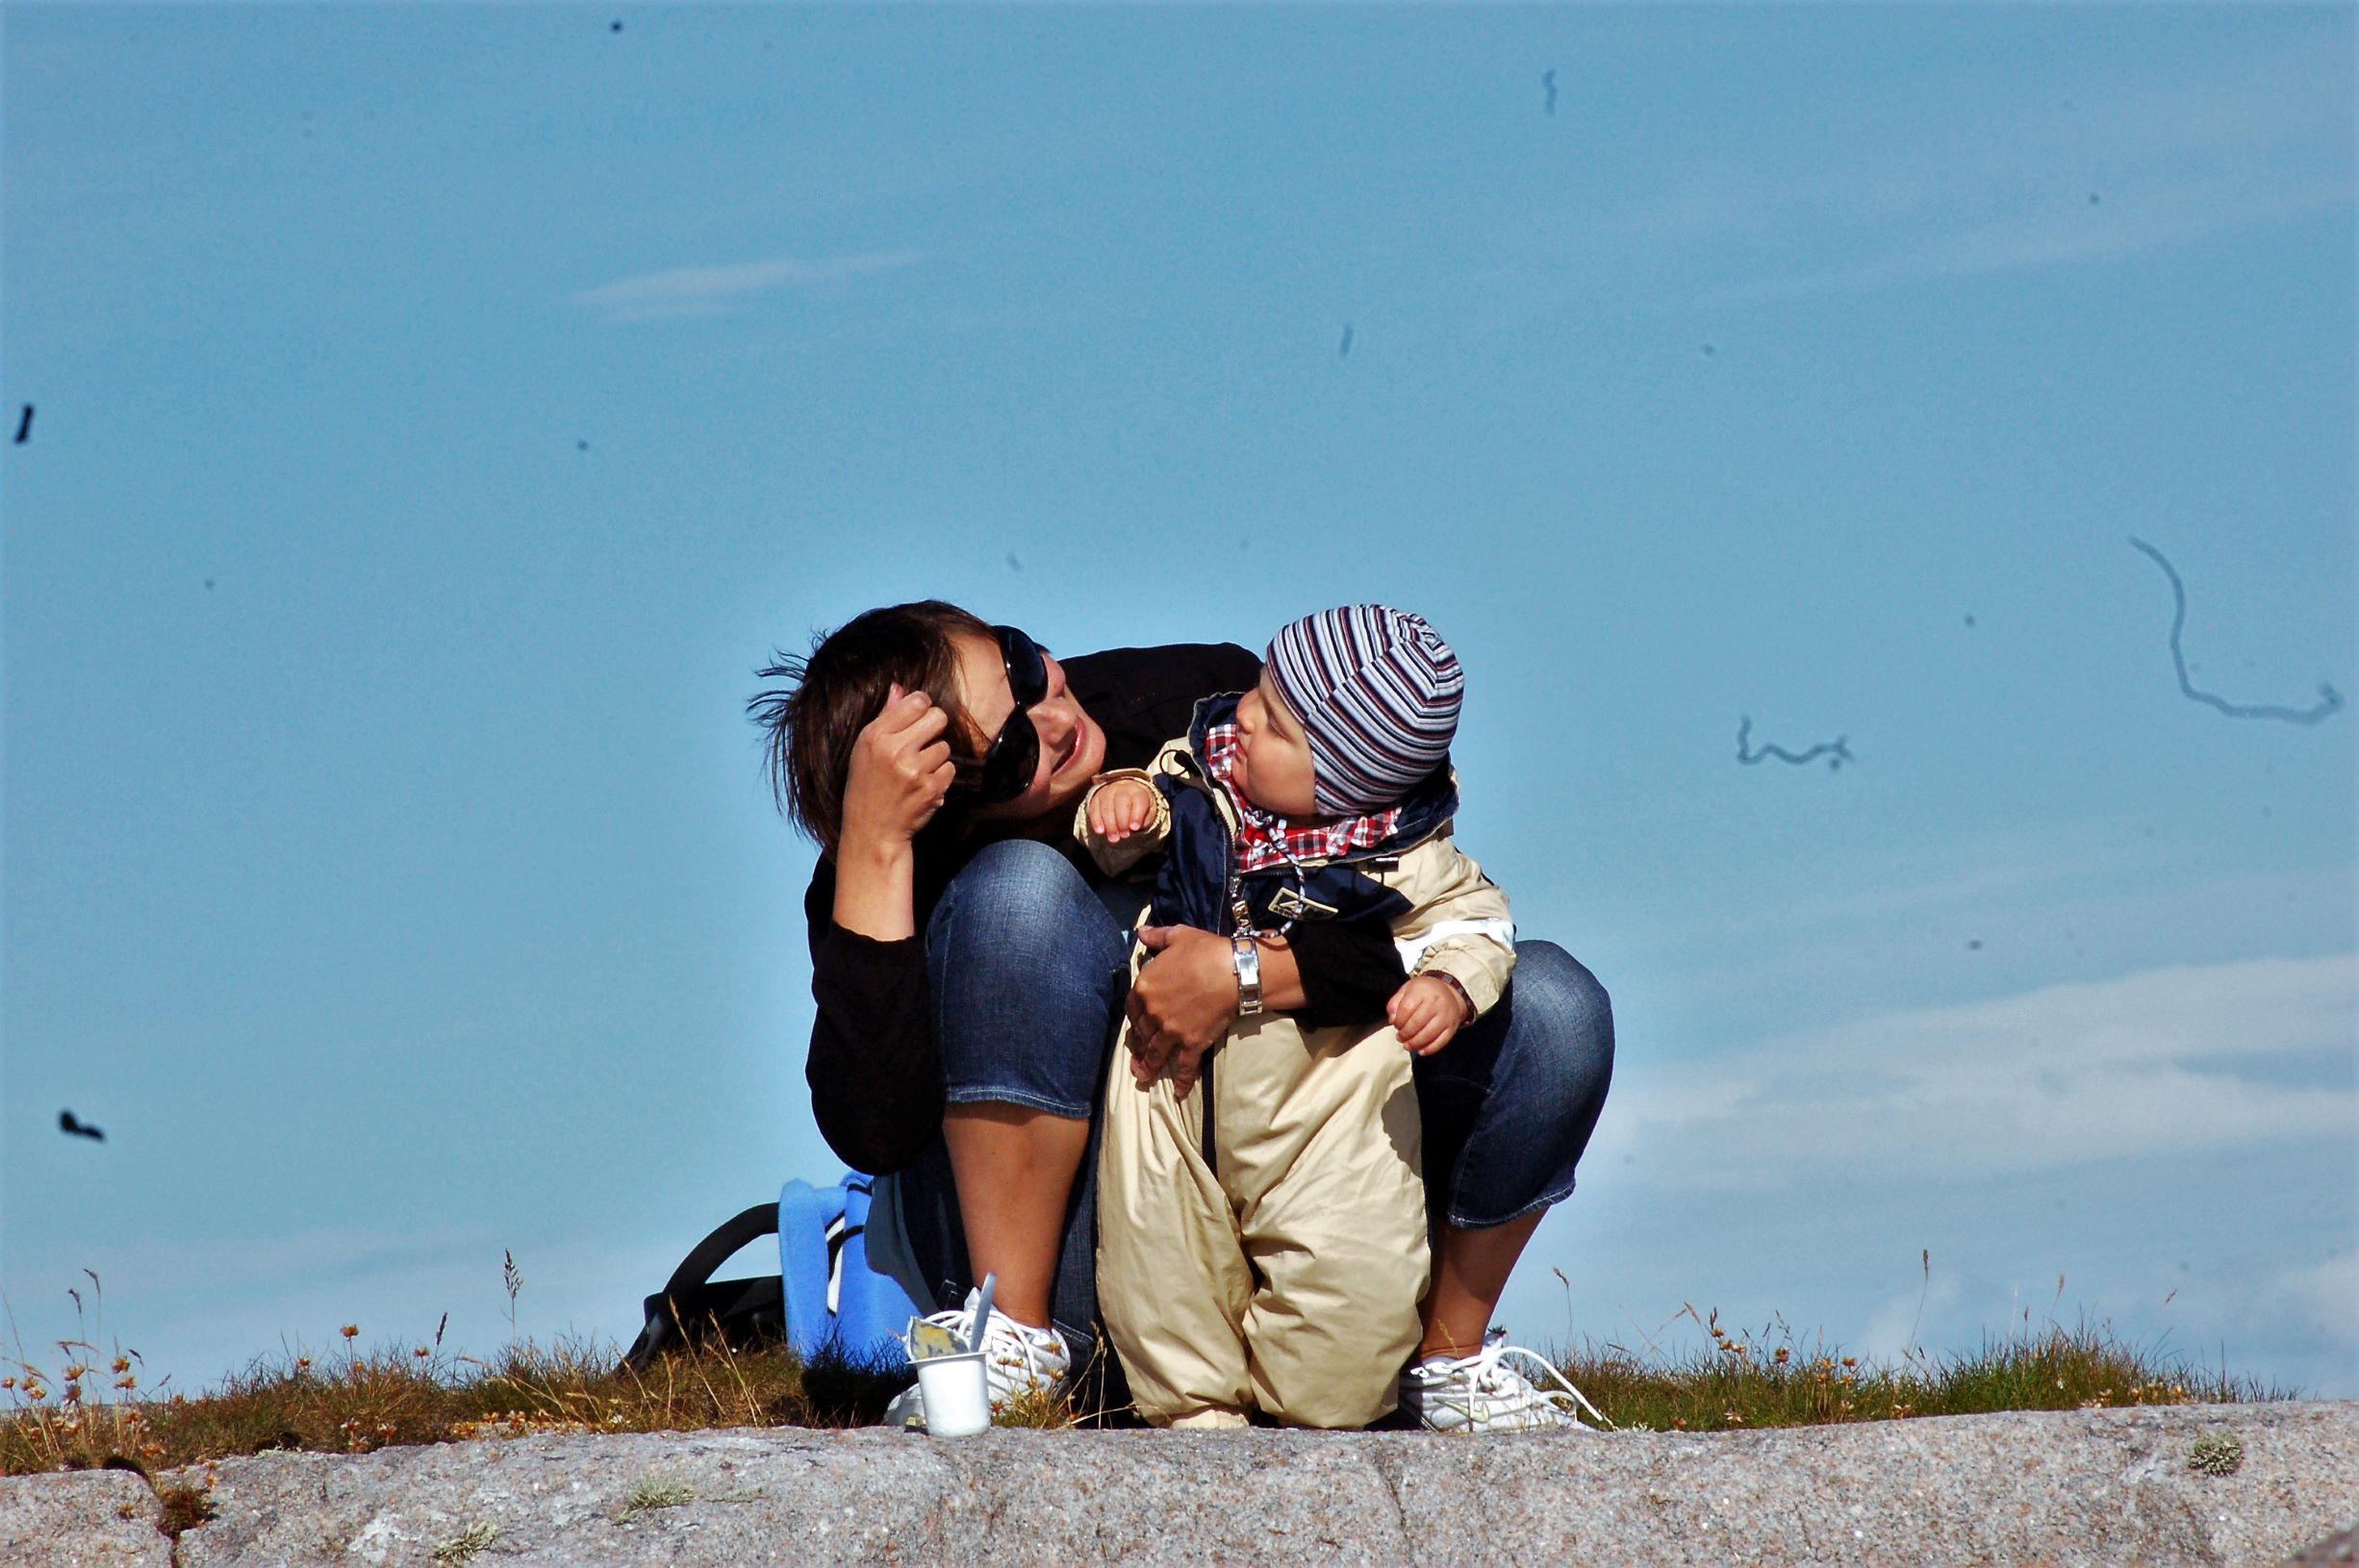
<point>1015,752</point>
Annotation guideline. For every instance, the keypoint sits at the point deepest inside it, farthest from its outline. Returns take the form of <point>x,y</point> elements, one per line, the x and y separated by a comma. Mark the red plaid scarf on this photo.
<point>1266,839</point>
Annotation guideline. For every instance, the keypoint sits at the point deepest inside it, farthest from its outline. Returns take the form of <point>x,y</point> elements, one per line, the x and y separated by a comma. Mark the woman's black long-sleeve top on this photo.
<point>875,1067</point>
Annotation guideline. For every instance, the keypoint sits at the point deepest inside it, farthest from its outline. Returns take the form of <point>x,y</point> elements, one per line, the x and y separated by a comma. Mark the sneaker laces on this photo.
<point>1494,1377</point>
<point>1017,1359</point>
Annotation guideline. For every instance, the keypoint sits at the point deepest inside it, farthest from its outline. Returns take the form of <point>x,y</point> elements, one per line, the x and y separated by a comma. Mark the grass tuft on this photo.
<point>1750,1379</point>
<point>463,1547</point>
<point>652,1492</point>
<point>185,1505</point>
<point>89,1411</point>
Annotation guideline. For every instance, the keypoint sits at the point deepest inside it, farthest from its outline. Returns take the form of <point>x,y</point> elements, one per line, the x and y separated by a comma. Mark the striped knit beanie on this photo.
<point>1377,690</point>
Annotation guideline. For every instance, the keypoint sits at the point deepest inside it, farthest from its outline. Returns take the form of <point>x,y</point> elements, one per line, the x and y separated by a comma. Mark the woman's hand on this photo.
<point>898,774</point>
<point>1181,1004</point>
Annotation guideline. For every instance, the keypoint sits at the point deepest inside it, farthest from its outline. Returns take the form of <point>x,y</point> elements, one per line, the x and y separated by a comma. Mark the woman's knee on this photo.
<point>1561,1031</point>
<point>1018,904</point>
<point>1026,970</point>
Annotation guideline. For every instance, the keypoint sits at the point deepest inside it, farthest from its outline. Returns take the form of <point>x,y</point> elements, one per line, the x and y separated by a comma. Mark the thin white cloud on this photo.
<point>1999,185</point>
<point>722,290</point>
<point>2054,229</point>
<point>2166,1061</point>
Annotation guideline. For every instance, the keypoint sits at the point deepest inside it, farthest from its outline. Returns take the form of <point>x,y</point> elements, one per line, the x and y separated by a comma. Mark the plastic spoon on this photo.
<point>982,1310</point>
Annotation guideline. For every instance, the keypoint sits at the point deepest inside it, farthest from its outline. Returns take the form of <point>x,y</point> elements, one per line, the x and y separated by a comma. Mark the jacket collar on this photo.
<point>1425,810</point>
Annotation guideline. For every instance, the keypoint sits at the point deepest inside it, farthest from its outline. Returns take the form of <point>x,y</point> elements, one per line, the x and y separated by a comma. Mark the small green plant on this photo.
<point>462,1548</point>
<point>652,1492</point>
<point>2216,1454</point>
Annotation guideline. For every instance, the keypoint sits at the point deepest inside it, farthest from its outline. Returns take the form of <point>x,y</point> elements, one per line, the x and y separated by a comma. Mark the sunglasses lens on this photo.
<point>1007,770</point>
<point>1028,673</point>
<point>1015,753</point>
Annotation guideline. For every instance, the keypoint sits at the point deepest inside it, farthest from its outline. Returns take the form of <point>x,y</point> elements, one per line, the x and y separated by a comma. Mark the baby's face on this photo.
<point>1273,766</point>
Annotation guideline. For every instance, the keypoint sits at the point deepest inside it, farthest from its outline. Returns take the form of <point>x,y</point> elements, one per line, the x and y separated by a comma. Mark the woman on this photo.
<point>968,969</point>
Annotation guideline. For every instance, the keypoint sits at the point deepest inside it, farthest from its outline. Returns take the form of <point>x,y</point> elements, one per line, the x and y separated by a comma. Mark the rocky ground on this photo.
<point>2200,1485</point>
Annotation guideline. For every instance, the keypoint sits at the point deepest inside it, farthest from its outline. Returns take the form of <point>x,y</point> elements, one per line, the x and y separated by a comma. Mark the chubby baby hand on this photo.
<point>1427,1013</point>
<point>1120,807</point>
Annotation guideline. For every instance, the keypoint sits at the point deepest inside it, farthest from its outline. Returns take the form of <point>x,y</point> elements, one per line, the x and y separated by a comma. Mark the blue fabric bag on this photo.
<point>834,1301</point>
<point>823,1299</point>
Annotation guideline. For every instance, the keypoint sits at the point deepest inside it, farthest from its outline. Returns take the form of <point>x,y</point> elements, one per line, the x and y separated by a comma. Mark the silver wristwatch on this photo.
<point>1249,974</point>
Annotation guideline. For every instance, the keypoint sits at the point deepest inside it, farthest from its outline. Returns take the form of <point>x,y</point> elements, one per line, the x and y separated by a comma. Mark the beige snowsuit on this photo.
<point>1282,1269</point>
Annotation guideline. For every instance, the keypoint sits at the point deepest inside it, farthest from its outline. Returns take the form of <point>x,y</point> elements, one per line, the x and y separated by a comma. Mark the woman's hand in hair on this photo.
<point>899,772</point>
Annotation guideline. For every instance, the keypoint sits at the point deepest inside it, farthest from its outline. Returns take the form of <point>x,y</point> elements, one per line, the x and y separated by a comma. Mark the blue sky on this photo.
<point>443,410</point>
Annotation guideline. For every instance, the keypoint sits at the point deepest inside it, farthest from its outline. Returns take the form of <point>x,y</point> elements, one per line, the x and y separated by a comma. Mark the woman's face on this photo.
<point>1071,746</point>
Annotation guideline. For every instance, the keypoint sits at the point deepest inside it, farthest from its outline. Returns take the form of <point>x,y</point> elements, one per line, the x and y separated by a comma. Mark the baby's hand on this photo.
<point>1427,1013</point>
<point>1120,807</point>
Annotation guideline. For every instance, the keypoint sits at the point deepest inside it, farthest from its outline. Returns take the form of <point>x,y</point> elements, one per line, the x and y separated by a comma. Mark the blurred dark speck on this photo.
<point>1969,620</point>
<point>2092,198</point>
<point>1709,349</point>
<point>209,584</point>
<point>1014,565</point>
<point>1343,350</point>
<point>581,446</point>
<point>614,27</point>
<point>1974,946</point>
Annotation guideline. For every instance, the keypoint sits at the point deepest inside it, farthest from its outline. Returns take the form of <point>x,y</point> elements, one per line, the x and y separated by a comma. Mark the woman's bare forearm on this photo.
<point>876,889</point>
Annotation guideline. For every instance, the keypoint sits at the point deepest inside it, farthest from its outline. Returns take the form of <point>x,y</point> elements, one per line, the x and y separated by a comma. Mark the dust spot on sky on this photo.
<point>1837,751</point>
<point>2329,701</point>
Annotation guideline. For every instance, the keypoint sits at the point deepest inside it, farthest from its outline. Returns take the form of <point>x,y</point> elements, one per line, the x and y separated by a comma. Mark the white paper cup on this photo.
<point>958,1394</point>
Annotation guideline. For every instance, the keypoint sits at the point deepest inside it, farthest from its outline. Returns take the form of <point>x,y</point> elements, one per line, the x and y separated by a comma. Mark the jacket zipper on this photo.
<point>1233,899</point>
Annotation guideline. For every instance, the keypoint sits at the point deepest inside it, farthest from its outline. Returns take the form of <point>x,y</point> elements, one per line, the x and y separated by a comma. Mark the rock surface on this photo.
<point>87,1519</point>
<point>2084,1487</point>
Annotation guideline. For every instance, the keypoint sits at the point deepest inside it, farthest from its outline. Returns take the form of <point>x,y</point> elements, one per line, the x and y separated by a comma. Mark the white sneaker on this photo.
<point>1017,1360</point>
<point>1488,1392</point>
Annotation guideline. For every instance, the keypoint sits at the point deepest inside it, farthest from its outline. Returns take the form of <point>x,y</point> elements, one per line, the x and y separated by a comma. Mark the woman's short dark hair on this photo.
<point>827,699</point>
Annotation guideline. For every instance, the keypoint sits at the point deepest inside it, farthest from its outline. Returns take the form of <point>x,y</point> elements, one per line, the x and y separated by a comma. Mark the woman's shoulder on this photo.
<point>1170,672</point>
<point>1143,696</point>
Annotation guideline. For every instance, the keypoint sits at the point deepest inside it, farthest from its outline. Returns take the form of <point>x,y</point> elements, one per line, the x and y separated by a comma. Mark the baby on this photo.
<point>1262,1231</point>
